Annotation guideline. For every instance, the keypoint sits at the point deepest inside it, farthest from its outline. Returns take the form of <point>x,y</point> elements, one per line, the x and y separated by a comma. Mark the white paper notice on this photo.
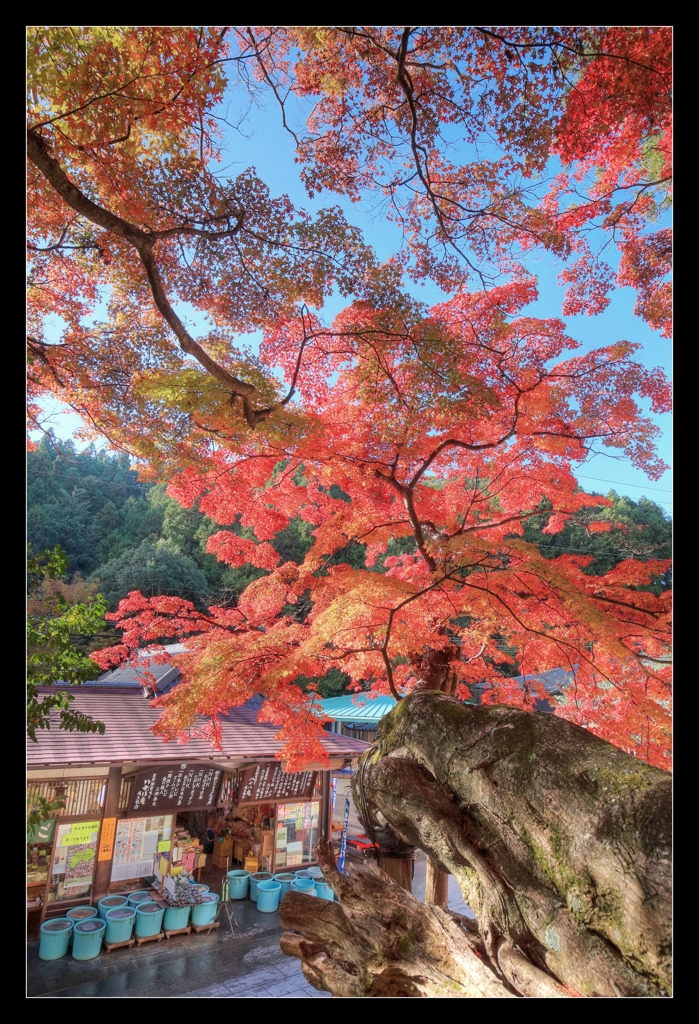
<point>150,842</point>
<point>139,869</point>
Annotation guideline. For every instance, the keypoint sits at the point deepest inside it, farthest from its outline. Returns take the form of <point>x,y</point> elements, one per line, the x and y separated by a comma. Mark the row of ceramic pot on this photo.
<point>116,919</point>
<point>267,890</point>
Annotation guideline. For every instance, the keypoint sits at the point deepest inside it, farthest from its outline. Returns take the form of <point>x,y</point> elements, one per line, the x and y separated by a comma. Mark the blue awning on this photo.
<point>359,708</point>
<point>362,709</point>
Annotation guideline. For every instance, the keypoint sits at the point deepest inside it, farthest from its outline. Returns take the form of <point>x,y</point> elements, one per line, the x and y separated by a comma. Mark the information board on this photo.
<point>187,787</point>
<point>269,782</point>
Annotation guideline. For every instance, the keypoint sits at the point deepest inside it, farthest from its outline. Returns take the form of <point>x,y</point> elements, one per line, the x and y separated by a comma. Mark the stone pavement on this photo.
<point>253,969</point>
<point>241,960</point>
<point>265,971</point>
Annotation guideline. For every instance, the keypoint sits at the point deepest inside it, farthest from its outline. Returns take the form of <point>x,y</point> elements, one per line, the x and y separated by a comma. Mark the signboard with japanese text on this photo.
<point>81,832</point>
<point>187,787</point>
<point>269,782</point>
<point>107,834</point>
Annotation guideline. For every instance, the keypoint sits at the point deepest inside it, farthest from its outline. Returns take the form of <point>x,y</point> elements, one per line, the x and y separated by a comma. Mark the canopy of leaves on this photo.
<point>445,428</point>
<point>452,471</point>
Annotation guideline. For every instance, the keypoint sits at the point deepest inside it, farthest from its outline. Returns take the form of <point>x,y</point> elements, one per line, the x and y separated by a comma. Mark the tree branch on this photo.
<point>143,241</point>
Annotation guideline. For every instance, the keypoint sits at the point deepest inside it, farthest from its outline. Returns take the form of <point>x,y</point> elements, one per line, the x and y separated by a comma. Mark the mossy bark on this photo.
<point>559,841</point>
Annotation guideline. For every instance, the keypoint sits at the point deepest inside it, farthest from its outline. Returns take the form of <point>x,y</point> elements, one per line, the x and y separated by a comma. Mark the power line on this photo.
<point>641,487</point>
<point>78,479</point>
<point>144,487</point>
<point>115,483</point>
<point>598,554</point>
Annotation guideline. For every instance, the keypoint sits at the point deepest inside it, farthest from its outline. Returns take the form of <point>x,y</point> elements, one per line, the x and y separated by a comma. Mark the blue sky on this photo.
<point>267,147</point>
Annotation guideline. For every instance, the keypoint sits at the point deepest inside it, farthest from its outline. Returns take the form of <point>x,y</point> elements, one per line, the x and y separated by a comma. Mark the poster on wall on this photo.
<point>107,839</point>
<point>129,840</point>
<point>136,845</point>
<point>79,832</point>
<point>80,864</point>
<point>75,857</point>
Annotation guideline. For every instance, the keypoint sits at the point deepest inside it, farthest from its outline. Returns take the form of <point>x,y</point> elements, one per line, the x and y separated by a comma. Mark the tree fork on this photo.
<point>558,840</point>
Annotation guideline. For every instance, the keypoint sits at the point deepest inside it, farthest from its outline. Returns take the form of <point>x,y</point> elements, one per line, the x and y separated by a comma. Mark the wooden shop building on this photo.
<point>137,808</point>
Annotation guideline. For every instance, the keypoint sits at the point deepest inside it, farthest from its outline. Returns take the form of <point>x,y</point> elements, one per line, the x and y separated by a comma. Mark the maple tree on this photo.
<point>437,431</point>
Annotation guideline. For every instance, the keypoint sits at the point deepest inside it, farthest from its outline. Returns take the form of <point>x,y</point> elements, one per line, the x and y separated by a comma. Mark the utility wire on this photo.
<point>641,487</point>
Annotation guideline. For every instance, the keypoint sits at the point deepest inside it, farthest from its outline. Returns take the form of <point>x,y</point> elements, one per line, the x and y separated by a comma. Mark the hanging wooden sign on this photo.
<point>187,787</point>
<point>269,782</point>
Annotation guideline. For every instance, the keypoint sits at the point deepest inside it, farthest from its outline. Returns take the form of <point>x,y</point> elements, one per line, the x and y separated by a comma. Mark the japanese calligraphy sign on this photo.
<point>269,782</point>
<point>176,787</point>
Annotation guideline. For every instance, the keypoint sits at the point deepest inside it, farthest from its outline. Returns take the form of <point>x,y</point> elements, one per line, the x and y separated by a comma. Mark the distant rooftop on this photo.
<point>166,676</point>
<point>554,682</point>
<point>359,708</point>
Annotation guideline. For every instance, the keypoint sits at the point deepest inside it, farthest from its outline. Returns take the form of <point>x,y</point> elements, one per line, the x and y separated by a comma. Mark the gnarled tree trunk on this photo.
<point>559,841</point>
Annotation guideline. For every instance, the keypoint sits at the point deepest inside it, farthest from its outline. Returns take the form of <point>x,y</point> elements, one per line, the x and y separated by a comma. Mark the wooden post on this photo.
<point>436,884</point>
<point>400,869</point>
<point>103,869</point>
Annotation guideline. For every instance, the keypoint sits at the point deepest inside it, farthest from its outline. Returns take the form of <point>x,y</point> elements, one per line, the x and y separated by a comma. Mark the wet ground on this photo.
<point>241,959</point>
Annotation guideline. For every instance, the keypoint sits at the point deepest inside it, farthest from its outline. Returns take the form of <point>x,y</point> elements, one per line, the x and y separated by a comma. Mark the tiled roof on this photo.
<point>128,738</point>
<point>554,681</point>
<point>165,676</point>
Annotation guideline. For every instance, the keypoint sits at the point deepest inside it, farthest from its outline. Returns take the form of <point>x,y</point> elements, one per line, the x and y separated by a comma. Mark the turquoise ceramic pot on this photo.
<point>204,913</point>
<point>119,923</point>
<point>109,903</point>
<point>54,938</point>
<point>285,878</point>
<point>324,891</point>
<point>268,896</point>
<point>87,938</point>
<point>149,918</point>
<point>238,884</point>
<point>306,885</point>
<point>175,918</point>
